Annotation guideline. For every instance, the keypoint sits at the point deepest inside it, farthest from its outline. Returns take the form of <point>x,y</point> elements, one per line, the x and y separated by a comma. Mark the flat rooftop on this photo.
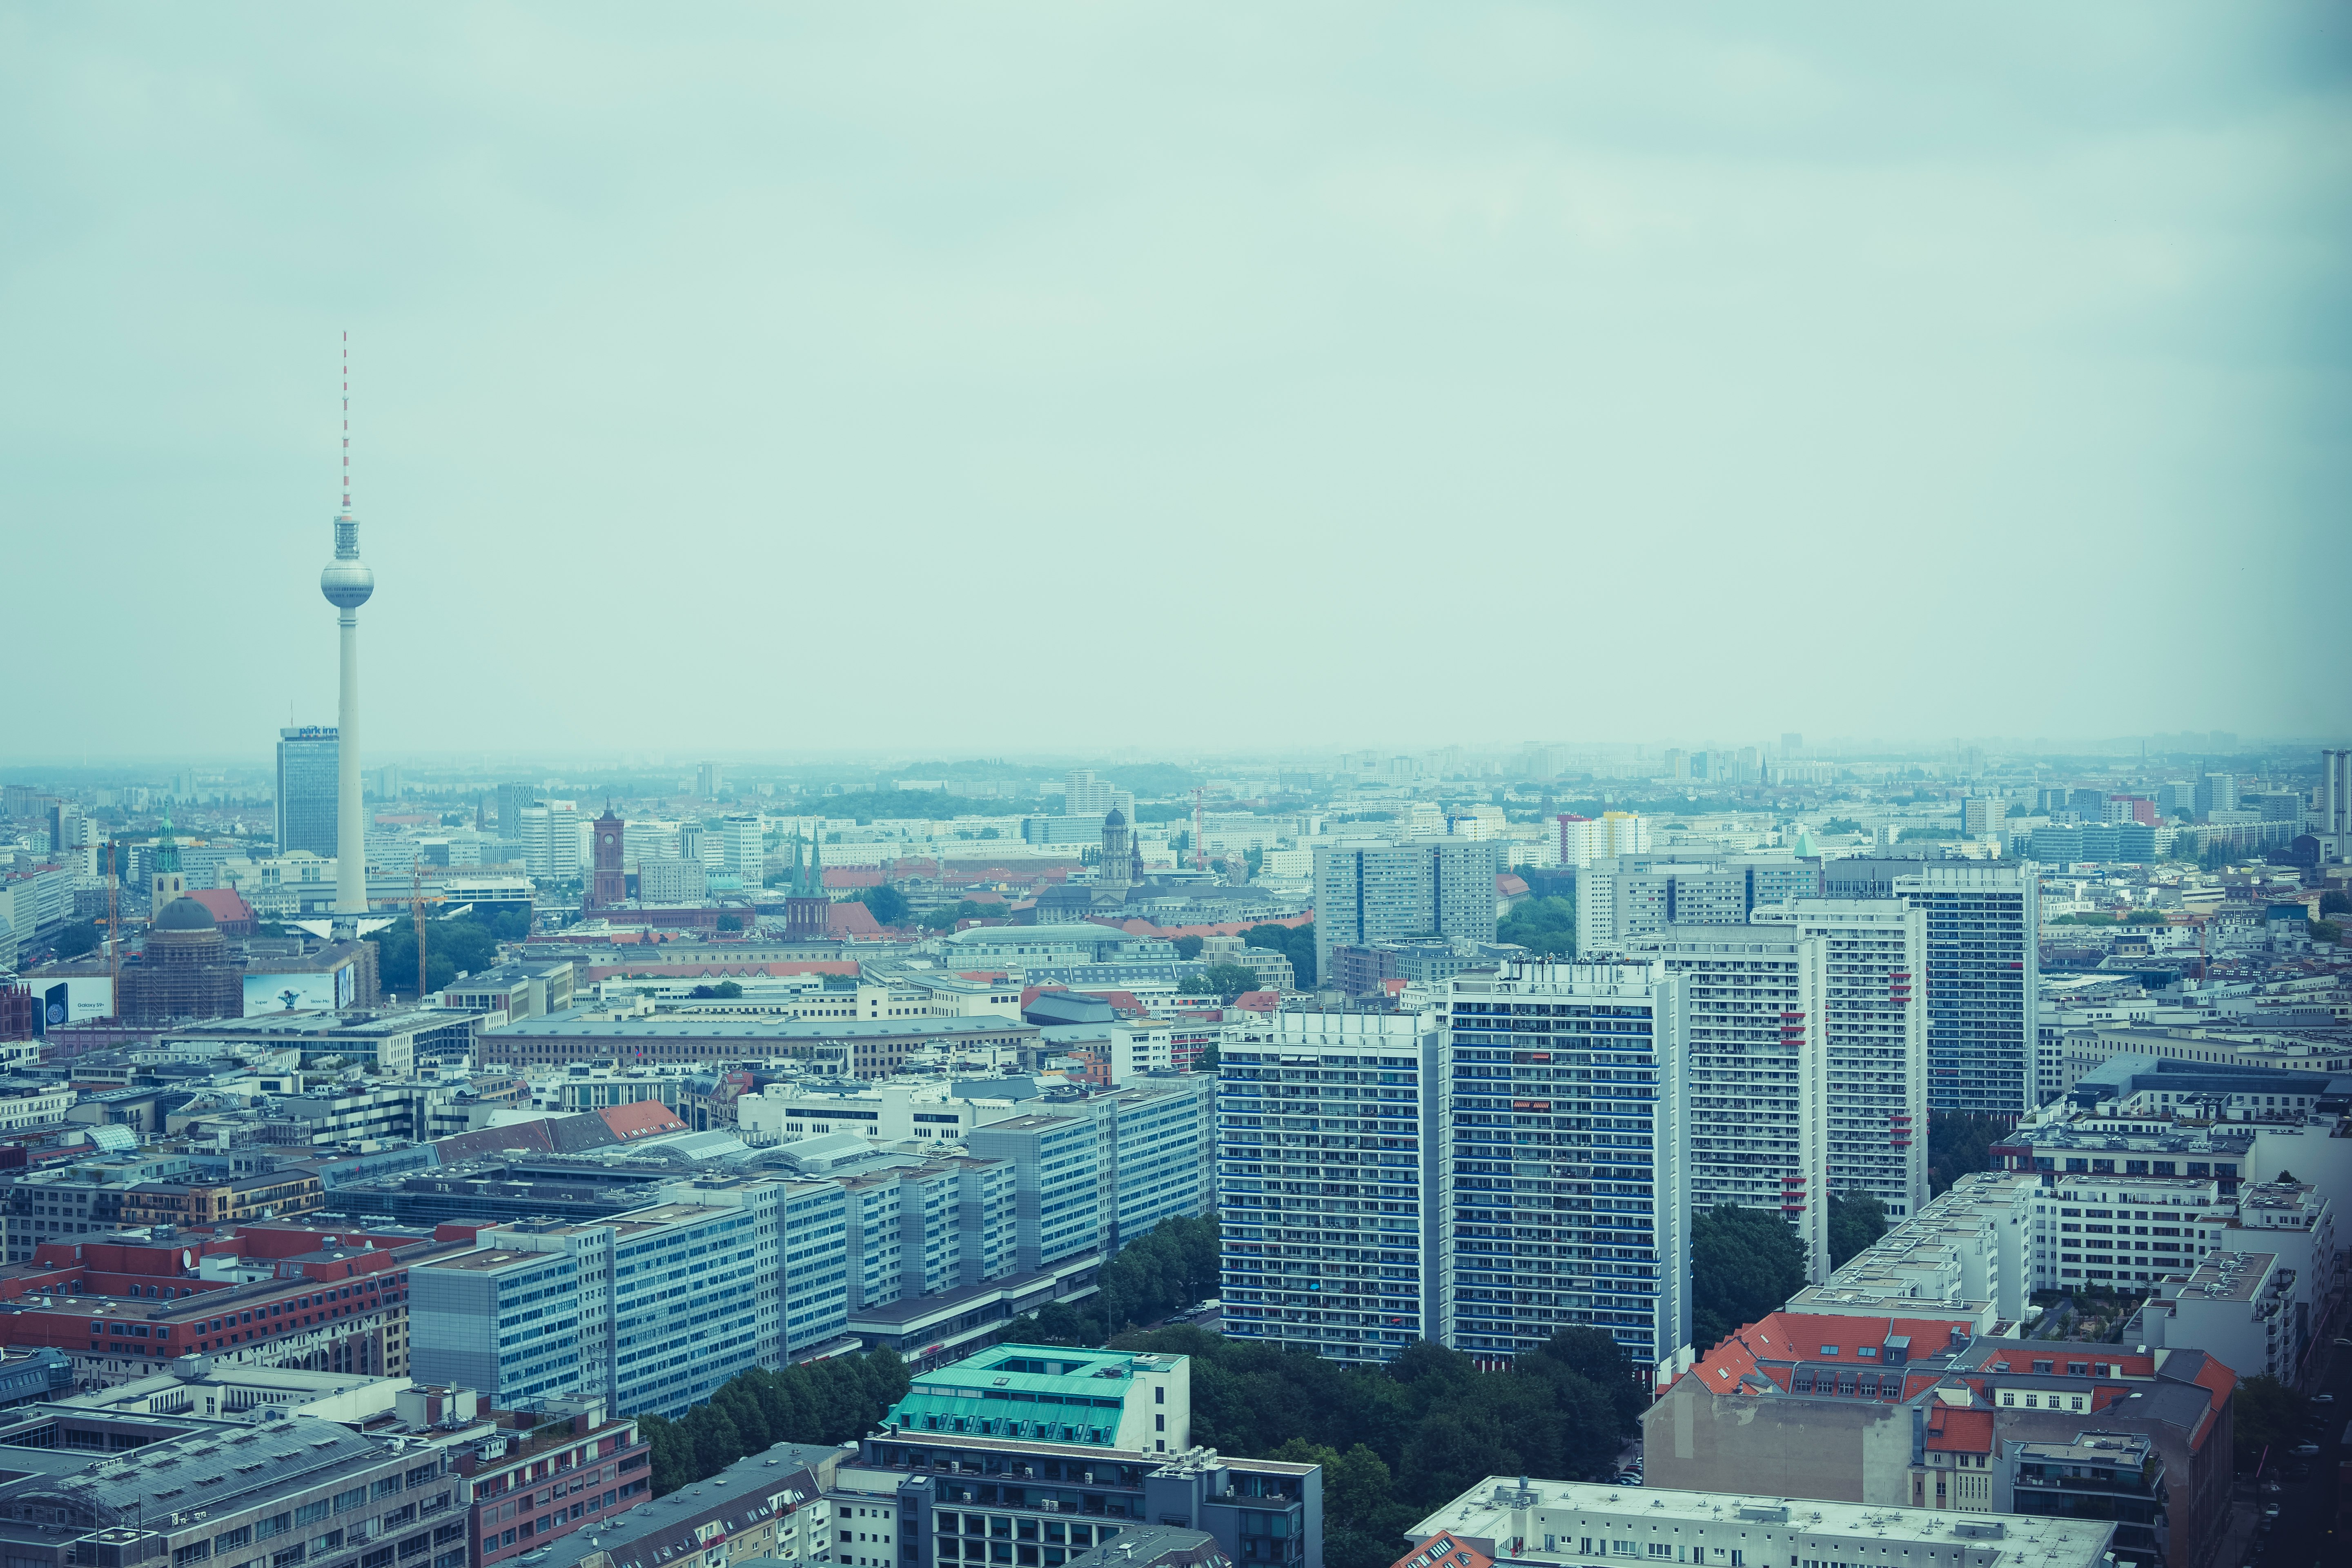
<point>1498,1509</point>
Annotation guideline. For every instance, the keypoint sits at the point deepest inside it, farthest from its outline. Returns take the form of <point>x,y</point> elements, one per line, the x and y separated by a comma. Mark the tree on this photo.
<point>1958,1142</point>
<point>467,944</point>
<point>726,990</point>
<point>1188,948</point>
<point>729,923</point>
<point>2335,902</point>
<point>1225,981</point>
<point>1744,1263</point>
<point>76,939</point>
<point>1171,1267</point>
<point>1542,925</point>
<point>825,1402</point>
<point>947,917</point>
<point>1295,944</point>
<point>1857,1219</point>
<point>1840,825</point>
<point>2264,1414</point>
<point>889,904</point>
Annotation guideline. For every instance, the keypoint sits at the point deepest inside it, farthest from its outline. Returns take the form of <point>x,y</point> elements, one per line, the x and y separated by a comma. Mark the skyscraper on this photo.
<point>1333,1242</point>
<point>1874,1025</point>
<point>1378,890</point>
<point>512,798</point>
<point>2334,799</point>
<point>744,847</point>
<point>2216,792</point>
<point>1983,981</point>
<point>550,840</point>
<point>347,584</point>
<point>308,768</point>
<point>1569,1134</point>
<point>1757,1071</point>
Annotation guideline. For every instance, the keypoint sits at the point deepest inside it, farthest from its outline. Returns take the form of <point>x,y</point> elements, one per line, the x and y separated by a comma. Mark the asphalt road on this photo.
<point>2304,1534</point>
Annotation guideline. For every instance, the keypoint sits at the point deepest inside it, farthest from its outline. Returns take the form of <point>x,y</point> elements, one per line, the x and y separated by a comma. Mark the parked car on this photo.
<point>2323,1399</point>
<point>2308,1450</point>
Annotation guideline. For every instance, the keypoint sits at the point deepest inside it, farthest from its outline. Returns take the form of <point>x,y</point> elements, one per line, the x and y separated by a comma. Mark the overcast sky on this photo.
<point>955,380</point>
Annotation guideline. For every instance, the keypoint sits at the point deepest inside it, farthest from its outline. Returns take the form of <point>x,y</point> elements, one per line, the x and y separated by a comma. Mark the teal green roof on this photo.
<point>1078,1399</point>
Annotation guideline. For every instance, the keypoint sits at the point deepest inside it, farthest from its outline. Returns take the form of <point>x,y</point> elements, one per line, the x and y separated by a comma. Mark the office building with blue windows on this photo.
<point>1983,981</point>
<point>1569,1144</point>
<point>307,759</point>
<point>1331,1184</point>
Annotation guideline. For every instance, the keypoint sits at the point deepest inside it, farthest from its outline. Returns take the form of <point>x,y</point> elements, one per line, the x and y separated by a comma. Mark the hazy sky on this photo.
<point>972,379</point>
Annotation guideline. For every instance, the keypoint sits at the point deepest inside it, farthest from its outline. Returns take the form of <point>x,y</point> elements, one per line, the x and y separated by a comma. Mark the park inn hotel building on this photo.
<point>1509,1167</point>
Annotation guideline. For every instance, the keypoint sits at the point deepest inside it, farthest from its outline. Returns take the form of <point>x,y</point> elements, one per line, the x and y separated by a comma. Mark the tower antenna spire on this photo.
<point>347,419</point>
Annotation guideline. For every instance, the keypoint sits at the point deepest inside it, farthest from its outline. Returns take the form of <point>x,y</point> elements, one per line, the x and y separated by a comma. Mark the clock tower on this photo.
<point>610,884</point>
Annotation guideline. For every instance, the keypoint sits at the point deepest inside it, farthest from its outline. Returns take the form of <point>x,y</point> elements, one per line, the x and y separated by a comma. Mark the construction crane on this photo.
<point>113,934</point>
<point>416,914</point>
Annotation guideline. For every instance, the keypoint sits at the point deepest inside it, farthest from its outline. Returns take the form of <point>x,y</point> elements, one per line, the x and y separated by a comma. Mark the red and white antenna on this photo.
<point>346,420</point>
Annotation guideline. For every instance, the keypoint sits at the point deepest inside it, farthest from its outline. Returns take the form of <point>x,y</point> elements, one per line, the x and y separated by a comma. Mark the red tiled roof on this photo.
<point>1223,928</point>
<point>852,877</point>
<point>1952,1429</point>
<point>623,963</point>
<point>1443,1551</point>
<point>1259,1001</point>
<point>223,904</point>
<point>1509,885</point>
<point>851,919</point>
<point>1816,1337</point>
<point>645,1119</point>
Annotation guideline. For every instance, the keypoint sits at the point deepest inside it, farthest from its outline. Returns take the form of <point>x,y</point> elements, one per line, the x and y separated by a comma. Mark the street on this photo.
<point>2306,1533</point>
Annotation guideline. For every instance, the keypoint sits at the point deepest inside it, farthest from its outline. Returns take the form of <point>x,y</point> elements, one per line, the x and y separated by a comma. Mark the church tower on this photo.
<point>165,882</point>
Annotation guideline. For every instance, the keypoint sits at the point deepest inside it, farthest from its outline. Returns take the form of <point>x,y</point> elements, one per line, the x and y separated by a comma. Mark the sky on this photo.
<point>991,379</point>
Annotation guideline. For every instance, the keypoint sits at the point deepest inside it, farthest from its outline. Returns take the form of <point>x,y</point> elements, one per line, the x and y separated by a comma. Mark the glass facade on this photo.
<point>306,759</point>
<point>1569,1125</point>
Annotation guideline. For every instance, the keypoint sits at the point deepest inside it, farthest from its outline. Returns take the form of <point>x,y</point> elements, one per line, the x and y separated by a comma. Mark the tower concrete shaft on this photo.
<point>347,584</point>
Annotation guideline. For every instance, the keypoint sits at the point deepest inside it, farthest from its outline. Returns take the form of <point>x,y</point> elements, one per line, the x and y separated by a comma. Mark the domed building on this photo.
<point>187,971</point>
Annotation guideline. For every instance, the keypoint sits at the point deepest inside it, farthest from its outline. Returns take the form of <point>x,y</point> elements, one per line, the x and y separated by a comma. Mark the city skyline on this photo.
<point>1923,355</point>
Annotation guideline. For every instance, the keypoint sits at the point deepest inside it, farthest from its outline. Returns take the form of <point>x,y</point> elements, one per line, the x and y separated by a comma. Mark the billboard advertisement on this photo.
<point>71,1001</point>
<point>324,992</point>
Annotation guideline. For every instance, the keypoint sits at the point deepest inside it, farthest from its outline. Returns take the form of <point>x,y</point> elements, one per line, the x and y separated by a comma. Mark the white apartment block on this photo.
<point>1583,840</point>
<point>2238,1307</point>
<point>782,1113</point>
<point>1562,1524</point>
<point>552,831</point>
<point>1996,1238</point>
<point>1874,1025</point>
<point>1757,1071</point>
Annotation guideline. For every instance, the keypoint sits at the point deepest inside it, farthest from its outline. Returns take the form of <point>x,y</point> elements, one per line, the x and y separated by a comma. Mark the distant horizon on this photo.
<point>1829,749</point>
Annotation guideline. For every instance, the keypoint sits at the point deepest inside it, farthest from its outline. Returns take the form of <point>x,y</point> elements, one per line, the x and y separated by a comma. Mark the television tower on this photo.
<point>347,584</point>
